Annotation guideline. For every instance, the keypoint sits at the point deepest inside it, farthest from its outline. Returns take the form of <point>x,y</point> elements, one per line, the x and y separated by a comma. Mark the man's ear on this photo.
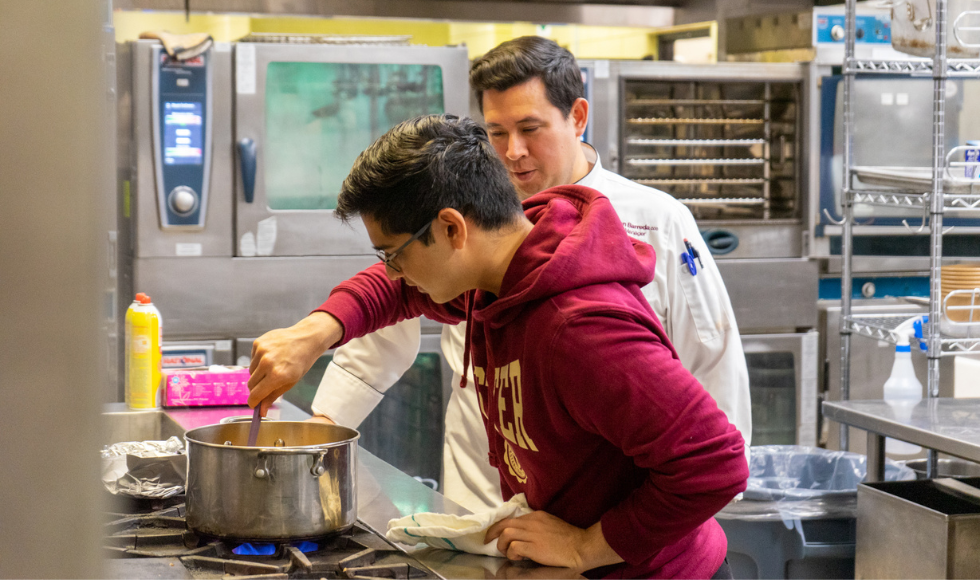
<point>579,116</point>
<point>453,225</point>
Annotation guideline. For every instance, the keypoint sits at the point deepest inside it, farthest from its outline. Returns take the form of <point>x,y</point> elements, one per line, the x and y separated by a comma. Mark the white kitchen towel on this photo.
<point>461,533</point>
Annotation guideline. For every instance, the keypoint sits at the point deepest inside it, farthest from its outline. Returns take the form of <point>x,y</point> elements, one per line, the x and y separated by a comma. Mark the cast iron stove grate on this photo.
<point>157,543</point>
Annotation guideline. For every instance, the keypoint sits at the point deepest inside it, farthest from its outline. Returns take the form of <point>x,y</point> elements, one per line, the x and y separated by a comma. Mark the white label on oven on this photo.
<point>602,69</point>
<point>265,238</point>
<point>222,47</point>
<point>188,250</point>
<point>245,69</point>
<point>246,247</point>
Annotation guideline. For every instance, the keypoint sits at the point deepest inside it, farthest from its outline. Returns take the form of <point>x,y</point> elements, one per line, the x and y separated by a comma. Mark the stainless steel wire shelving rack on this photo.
<point>964,197</point>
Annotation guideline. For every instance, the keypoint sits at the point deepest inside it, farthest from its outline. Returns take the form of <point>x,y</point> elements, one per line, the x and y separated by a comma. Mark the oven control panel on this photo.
<point>182,139</point>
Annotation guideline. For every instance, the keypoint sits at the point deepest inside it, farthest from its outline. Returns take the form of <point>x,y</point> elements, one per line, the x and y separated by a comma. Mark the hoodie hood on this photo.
<point>577,240</point>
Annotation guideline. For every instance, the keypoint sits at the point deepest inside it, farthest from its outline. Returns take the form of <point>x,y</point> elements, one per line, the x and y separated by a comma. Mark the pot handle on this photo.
<point>922,23</point>
<point>262,468</point>
<point>318,469</point>
<point>957,28</point>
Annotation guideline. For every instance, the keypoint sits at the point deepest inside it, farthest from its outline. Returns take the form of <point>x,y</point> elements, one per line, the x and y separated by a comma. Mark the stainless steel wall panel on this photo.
<point>217,297</point>
<point>734,71</point>
<point>771,294</point>
<point>56,182</point>
<point>759,240</point>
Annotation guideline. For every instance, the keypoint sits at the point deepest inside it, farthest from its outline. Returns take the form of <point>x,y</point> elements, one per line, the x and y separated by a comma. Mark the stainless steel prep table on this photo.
<point>384,493</point>
<point>951,426</point>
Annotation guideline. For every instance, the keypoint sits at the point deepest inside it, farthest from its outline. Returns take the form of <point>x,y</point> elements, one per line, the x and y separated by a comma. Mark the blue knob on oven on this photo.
<point>182,200</point>
<point>720,242</point>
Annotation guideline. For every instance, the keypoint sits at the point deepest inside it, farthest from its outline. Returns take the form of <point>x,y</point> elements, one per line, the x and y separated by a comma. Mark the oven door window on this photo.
<point>772,387</point>
<point>320,116</point>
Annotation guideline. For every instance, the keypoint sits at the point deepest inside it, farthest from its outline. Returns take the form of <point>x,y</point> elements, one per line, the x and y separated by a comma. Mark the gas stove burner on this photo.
<point>268,549</point>
<point>159,541</point>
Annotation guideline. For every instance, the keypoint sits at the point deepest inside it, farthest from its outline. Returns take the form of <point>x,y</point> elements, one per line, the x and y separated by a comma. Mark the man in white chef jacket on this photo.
<point>531,94</point>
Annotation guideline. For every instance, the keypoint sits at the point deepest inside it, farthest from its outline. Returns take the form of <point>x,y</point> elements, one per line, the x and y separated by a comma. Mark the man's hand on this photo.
<point>281,357</point>
<point>547,540</point>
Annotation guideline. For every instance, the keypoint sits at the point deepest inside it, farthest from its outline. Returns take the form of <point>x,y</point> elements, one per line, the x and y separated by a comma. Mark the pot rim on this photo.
<point>283,450</point>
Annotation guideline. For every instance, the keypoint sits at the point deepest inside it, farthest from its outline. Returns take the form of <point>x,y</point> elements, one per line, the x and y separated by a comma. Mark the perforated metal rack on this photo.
<point>289,38</point>
<point>934,203</point>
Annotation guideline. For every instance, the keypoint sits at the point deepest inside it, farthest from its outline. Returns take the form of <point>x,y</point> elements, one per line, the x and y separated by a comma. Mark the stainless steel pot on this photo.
<point>914,31</point>
<point>298,482</point>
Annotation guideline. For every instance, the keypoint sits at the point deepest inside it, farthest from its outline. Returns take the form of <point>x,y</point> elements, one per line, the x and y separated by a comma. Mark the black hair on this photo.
<point>519,60</point>
<point>424,165</point>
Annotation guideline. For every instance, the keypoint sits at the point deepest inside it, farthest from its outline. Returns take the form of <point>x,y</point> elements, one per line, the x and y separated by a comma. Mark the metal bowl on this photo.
<point>947,468</point>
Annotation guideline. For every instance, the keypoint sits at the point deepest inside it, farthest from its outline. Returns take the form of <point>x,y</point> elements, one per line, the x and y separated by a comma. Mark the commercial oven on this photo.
<point>229,169</point>
<point>729,141</point>
<point>725,139</point>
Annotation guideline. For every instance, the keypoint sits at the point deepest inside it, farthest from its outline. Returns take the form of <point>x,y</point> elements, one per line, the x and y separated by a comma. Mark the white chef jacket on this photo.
<point>694,309</point>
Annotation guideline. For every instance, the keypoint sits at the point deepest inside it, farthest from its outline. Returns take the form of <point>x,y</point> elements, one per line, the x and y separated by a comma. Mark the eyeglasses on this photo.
<point>387,258</point>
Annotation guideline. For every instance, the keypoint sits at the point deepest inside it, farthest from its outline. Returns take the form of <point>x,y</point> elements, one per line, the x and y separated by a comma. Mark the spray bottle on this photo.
<point>902,389</point>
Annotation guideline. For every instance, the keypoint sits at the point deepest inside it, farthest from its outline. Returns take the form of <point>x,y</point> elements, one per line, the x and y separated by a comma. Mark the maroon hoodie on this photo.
<point>588,409</point>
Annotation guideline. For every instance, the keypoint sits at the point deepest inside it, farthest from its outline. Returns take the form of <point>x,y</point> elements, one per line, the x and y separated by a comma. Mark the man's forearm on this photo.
<point>325,326</point>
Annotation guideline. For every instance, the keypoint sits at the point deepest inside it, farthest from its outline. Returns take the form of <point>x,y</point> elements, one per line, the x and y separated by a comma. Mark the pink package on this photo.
<point>199,387</point>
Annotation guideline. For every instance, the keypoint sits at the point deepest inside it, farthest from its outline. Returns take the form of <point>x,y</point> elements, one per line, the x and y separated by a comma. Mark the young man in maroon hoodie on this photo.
<point>589,413</point>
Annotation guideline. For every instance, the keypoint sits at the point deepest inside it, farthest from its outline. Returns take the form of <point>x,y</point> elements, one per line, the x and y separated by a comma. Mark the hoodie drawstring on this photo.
<point>470,302</point>
<point>492,409</point>
<point>467,341</point>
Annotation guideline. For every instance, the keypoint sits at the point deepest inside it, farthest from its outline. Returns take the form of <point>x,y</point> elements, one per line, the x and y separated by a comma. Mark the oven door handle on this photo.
<point>720,242</point>
<point>246,154</point>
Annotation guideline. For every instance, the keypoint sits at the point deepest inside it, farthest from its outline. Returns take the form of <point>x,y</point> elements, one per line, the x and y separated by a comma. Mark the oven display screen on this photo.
<point>182,133</point>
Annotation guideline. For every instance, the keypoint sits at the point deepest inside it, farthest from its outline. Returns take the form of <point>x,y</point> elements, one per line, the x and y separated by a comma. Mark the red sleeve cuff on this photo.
<point>347,308</point>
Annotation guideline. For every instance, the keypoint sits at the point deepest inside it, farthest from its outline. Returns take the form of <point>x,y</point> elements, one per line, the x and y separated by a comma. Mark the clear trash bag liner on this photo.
<point>790,482</point>
<point>145,469</point>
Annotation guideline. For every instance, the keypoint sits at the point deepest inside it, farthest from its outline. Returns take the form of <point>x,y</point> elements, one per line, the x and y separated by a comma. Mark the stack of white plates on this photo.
<point>963,306</point>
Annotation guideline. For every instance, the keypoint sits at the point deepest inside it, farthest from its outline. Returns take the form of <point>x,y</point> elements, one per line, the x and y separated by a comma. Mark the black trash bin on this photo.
<point>797,516</point>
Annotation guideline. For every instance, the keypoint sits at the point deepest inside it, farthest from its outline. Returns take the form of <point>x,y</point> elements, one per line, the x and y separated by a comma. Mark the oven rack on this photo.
<point>735,161</point>
<point>680,102</point>
<point>722,200</point>
<point>300,38</point>
<point>692,121</point>
<point>883,327</point>
<point>705,181</point>
<point>695,142</point>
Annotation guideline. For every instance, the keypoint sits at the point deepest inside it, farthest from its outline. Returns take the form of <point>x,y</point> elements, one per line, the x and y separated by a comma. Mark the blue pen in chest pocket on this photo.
<point>689,256</point>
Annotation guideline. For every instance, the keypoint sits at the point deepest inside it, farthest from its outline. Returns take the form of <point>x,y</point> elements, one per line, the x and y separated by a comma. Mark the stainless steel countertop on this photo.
<point>948,425</point>
<point>385,493</point>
